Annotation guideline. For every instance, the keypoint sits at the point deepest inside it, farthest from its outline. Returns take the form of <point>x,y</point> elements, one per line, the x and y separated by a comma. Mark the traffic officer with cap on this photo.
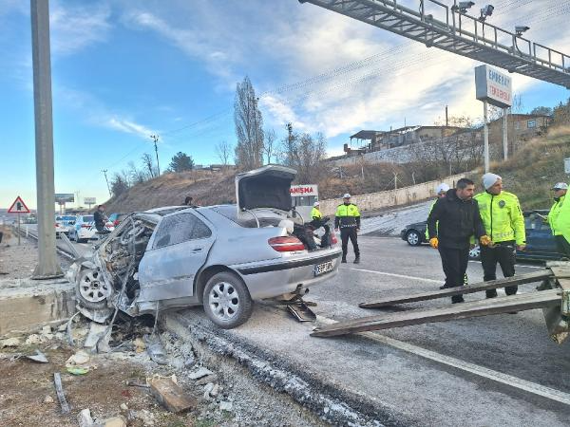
<point>504,224</point>
<point>559,219</point>
<point>347,218</point>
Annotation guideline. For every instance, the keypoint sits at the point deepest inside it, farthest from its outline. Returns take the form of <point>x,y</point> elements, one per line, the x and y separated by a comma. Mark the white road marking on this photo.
<point>490,374</point>
<point>401,276</point>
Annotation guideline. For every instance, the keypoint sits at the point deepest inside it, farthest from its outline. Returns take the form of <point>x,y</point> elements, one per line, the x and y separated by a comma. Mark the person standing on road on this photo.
<point>347,218</point>
<point>504,223</point>
<point>319,221</point>
<point>100,219</point>
<point>452,222</point>
<point>440,191</point>
<point>559,219</point>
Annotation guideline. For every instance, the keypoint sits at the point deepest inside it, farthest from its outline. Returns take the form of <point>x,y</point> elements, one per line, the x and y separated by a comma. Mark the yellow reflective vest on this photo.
<point>562,221</point>
<point>554,214</point>
<point>347,216</point>
<point>316,214</point>
<point>502,217</point>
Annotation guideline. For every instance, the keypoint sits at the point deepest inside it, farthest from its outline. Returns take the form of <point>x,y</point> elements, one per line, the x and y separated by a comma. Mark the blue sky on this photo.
<point>122,70</point>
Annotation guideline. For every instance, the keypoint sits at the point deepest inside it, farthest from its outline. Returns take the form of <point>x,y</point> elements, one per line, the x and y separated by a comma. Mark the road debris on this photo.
<point>60,394</point>
<point>10,342</point>
<point>171,395</point>
<point>200,373</point>
<point>48,399</point>
<point>38,357</point>
<point>84,418</point>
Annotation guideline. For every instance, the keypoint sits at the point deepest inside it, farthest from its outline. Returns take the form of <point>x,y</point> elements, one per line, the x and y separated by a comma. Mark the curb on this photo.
<point>326,400</point>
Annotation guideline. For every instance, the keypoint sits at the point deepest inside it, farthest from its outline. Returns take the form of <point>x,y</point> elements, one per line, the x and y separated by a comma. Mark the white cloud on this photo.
<point>128,126</point>
<point>73,29</point>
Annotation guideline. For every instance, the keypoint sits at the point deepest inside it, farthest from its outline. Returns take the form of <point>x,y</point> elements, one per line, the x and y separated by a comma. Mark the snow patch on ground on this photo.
<point>393,221</point>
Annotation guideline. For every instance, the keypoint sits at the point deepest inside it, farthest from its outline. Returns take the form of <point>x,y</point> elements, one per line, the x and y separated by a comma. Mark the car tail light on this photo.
<point>286,244</point>
<point>116,222</point>
<point>85,226</point>
<point>334,240</point>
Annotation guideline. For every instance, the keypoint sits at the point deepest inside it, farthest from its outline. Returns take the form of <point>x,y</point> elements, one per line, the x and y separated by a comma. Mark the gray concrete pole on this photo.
<point>485,136</point>
<point>48,265</point>
<point>505,135</point>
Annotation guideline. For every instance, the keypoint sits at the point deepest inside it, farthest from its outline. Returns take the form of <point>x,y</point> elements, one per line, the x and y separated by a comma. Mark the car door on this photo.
<point>176,251</point>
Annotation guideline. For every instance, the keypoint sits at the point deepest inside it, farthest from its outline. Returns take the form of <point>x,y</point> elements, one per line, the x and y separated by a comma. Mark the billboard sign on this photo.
<point>62,198</point>
<point>89,200</point>
<point>304,190</point>
<point>493,86</point>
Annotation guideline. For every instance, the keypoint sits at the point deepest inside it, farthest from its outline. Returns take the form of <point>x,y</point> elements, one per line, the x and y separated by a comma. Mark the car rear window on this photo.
<point>266,219</point>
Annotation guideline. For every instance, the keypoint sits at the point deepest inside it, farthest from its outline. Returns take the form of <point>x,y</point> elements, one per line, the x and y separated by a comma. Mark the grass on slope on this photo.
<point>535,168</point>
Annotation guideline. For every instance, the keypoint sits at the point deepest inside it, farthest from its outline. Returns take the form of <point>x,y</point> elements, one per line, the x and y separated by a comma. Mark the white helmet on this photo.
<point>316,204</point>
<point>442,188</point>
<point>346,196</point>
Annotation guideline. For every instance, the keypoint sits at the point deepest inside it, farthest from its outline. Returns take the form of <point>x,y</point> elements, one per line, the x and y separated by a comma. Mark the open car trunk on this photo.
<point>264,188</point>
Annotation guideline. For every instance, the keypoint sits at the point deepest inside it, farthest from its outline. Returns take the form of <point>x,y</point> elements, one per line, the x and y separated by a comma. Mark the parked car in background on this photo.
<point>84,229</point>
<point>116,218</point>
<point>540,242</point>
<point>64,224</point>
<point>220,257</point>
<point>414,234</point>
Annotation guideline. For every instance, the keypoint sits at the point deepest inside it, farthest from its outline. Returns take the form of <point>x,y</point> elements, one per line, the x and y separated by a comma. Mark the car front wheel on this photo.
<point>227,301</point>
<point>413,238</point>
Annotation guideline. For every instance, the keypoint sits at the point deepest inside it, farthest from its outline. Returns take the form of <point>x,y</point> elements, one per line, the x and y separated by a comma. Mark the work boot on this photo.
<point>343,261</point>
<point>357,260</point>
<point>457,300</point>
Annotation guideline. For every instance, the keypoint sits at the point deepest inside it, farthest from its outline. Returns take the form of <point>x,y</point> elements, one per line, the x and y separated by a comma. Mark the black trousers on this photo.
<point>503,254</point>
<point>454,263</point>
<point>349,233</point>
<point>563,246</point>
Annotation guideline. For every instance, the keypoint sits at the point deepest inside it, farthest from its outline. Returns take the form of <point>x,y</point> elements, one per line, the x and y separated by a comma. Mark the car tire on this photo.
<point>91,291</point>
<point>413,238</point>
<point>226,300</point>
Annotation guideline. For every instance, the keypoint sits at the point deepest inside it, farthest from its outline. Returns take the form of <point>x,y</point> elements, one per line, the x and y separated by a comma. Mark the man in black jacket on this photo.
<point>459,220</point>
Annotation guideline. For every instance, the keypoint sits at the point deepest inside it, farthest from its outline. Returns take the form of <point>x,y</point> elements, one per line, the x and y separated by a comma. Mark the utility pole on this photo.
<point>485,136</point>
<point>155,139</point>
<point>48,266</point>
<point>107,181</point>
<point>505,134</point>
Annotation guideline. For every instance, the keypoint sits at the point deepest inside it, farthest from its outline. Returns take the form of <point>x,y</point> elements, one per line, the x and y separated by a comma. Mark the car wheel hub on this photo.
<point>224,301</point>
<point>413,238</point>
<point>92,289</point>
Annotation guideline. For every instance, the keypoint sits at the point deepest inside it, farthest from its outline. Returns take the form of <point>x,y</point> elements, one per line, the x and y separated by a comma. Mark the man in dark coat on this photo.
<point>459,220</point>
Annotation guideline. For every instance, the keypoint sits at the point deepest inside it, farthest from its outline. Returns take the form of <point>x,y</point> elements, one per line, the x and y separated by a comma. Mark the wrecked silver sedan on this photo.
<point>221,257</point>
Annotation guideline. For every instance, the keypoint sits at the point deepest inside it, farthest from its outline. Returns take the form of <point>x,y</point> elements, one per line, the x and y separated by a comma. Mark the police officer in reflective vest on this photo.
<point>559,219</point>
<point>504,223</point>
<point>347,218</point>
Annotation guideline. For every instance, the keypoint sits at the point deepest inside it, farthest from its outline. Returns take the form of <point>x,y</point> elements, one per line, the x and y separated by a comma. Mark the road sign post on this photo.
<point>48,266</point>
<point>19,207</point>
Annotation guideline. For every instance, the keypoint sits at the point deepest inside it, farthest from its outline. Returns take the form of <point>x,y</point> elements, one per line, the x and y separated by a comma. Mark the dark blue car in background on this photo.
<point>540,246</point>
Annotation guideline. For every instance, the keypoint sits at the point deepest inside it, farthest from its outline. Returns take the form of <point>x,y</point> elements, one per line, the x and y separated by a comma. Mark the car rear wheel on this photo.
<point>413,238</point>
<point>227,301</point>
<point>91,290</point>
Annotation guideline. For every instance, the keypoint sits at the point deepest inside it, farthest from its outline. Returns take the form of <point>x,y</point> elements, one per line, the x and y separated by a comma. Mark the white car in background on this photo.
<point>64,224</point>
<point>85,230</point>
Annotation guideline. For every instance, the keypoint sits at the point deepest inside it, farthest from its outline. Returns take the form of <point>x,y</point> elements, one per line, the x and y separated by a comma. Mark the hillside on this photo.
<point>530,173</point>
<point>535,168</point>
<point>206,188</point>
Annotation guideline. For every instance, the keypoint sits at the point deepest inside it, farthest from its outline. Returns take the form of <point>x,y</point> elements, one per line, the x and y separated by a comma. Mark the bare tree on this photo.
<point>224,151</point>
<point>136,175</point>
<point>269,144</point>
<point>309,159</point>
<point>148,163</point>
<point>249,127</point>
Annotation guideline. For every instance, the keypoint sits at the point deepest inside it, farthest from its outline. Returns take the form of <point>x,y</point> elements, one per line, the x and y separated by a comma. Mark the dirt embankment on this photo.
<point>532,171</point>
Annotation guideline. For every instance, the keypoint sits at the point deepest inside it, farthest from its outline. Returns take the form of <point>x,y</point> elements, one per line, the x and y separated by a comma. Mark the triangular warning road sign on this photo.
<point>18,206</point>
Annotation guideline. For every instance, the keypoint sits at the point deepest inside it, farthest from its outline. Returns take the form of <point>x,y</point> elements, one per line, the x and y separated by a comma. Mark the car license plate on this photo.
<point>325,267</point>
